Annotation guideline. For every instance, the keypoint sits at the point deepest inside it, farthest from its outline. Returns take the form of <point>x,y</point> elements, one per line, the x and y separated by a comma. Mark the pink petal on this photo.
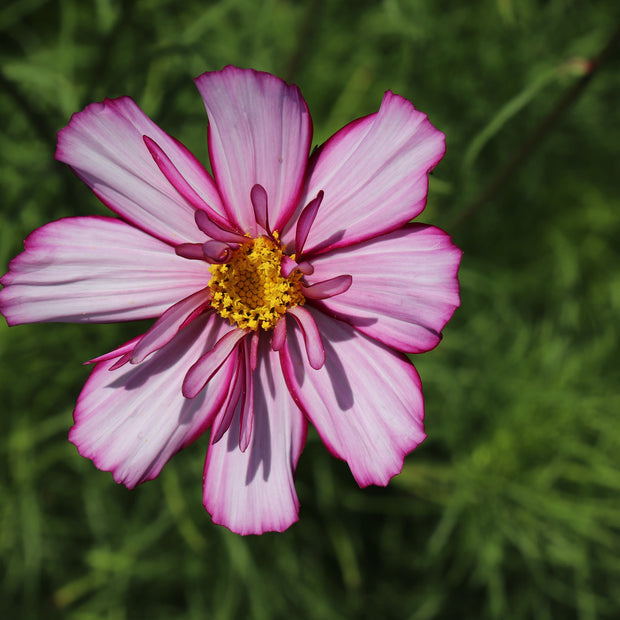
<point>253,492</point>
<point>260,204</point>
<point>104,145</point>
<point>324,289</point>
<point>246,421</point>
<point>306,268</point>
<point>404,288</point>
<point>216,232</point>
<point>233,402</point>
<point>216,252</point>
<point>168,324</point>
<point>259,133</point>
<point>118,353</point>
<point>209,363</point>
<point>374,173</point>
<point>279,334</point>
<point>312,338</point>
<point>287,266</point>
<point>95,269</point>
<point>254,340</point>
<point>305,221</point>
<point>121,361</point>
<point>180,183</point>
<point>366,401</point>
<point>191,251</point>
<point>133,420</point>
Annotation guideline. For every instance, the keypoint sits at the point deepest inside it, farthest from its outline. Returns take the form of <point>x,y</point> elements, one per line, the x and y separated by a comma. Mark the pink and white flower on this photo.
<point>287,288</point>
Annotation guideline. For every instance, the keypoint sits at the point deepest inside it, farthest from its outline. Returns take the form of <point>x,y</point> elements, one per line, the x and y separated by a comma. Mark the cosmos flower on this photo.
<point>287,287</point>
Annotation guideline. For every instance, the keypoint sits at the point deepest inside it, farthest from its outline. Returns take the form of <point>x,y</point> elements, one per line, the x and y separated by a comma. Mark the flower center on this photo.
<point>250,290</point>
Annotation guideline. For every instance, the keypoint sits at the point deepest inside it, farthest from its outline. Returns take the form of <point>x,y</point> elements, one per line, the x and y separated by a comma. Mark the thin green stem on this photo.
<point>540,132</point>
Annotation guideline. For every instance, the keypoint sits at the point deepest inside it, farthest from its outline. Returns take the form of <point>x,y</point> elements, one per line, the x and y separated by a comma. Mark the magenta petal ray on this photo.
<point>167,326</point>
<point>259,132</point>
<point>201,372</point>
<point>192,251</point>
<point>216,232</point>
<point>177,180</point>
<point>246,421</point>
<point>258,196</point>
<point>279,334</point>
<point>328,288</point>
<point>312,336</point>
<point>305,221</point>
<point>374,173</point>
<point>216,252</point>
<point>224,420</point>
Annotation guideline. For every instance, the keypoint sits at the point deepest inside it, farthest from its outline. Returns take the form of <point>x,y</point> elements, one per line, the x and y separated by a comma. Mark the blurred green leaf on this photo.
<point>510,509</point>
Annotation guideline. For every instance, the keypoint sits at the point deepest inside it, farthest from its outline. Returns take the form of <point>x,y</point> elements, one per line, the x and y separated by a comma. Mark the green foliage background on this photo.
<point>511,508</point>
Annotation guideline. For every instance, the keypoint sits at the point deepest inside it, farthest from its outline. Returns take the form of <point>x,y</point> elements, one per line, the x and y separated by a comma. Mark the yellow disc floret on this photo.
<point>250,290</point>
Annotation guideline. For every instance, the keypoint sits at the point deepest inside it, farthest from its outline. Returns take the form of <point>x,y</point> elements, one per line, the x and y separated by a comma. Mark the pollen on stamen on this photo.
<point>250,290</point>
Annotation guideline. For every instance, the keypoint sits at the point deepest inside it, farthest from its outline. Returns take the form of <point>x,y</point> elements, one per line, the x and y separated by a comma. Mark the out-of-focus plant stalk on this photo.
<point>527,147</point>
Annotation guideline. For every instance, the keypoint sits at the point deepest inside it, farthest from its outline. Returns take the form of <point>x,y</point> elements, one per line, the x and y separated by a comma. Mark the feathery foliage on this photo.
<point>511,508</point>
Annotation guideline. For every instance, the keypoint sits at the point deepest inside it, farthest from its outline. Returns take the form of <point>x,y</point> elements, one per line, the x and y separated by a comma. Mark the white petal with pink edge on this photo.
<point>253,492</point>
<point>104,145</point>
<point>365,402</point>
<point>404,286</point>
<point>374,175</point>
<point>259,133</point>
<point>95,269</point>
<point>131,421</point>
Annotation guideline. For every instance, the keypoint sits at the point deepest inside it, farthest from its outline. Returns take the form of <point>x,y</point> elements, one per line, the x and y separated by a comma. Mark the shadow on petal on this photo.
<point>260,447</point>
<point>333,366</point>
<point>169,355</point>
<point>351,319</point>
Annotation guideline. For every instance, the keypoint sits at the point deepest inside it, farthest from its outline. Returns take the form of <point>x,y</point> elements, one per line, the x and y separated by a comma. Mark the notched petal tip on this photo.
<point>253,491</point>
<point>366,403</point>
<point>376,167</point>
